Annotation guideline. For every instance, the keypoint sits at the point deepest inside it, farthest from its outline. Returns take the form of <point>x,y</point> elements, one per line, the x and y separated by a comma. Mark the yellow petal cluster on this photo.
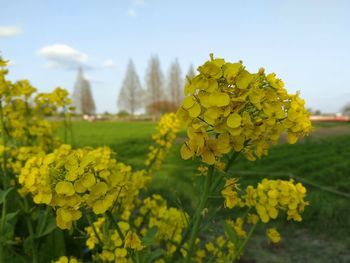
<point>272,196</point>
<point>65,259</point>
<point>169,221</point>
<point>133,241</point>
<point>230,194</point>
<point>220,249</point>
<point>228,108</point>
<point>167,128</point>
<point>273,235</point>
<point>24,112</point>
<point>71,180</point>
<point>113,249</point>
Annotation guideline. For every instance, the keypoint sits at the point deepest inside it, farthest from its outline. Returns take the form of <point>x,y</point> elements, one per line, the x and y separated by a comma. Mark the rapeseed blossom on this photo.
<point>226,108</point>
<point>65,259</point>
<point>273,235</point>
<point>268,198</point>
<point>167,128</point>
<point>73,180</point>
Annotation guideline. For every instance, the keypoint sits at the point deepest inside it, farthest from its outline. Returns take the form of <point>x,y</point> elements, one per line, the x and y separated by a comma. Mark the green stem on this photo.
<point>28,138</point>
<point>4,182</point>
<point>4,142</point>
<point>149,166</point>
<point>198,214</point>
<point>122,237</point>
<point>31,232</point>
<point>233,157</point>
<point>65,125</point>
<point>2,224</point>
<point>219,178</point>
<point>241,247</point>
<point>46,215</point>
<point>32,237</point>
<point>94,229</point>
<point>120,233</point>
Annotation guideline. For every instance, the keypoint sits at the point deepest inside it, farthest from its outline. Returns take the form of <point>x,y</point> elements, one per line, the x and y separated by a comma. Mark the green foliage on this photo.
<point>321,160</point>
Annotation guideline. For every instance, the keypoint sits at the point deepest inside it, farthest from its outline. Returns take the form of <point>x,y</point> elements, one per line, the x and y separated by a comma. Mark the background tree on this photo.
<point>87,102</point>
<point>175,83</point>
<point>154,81</point>
<point>346,110</point>
<point>131,94</point>
<point>77,90</point>
<point>191,73</point>
<point>161,107</point>
<point>82,95</point>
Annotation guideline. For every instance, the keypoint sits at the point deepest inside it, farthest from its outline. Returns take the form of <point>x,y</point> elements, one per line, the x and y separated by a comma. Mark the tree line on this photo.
<point>158,95</point>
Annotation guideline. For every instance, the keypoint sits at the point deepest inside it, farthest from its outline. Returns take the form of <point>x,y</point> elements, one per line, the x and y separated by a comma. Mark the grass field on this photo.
<point>321,161</point>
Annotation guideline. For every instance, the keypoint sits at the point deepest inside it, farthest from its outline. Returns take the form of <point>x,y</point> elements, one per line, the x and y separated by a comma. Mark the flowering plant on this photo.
<point>227,113</point>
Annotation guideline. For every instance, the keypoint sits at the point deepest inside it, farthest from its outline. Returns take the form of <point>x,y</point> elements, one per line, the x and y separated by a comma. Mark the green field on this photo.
<point>321,162</point>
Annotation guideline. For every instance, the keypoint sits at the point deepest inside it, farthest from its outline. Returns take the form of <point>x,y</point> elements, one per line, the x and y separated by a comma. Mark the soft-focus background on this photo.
<point>125,63</point>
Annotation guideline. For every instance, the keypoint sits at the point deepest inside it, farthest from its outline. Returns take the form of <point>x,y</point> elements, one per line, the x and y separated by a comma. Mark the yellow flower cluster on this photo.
<point>167,129</point>
<point>219,250</point>
<point>49,103</point>
<point>227,108</point>
<point>268,198</point>
<point>23,112</point>
<point>71,180</point>
<point>273,235</point>
<point>17,157</point>
<point>65,259</point>
<point>230,194</point>
<point>237,225</point>
<point>114,248</point>
<point>152,212</point>
<point>170,222</point>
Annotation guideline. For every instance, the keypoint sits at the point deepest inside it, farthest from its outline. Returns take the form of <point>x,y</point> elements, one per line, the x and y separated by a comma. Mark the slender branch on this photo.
<point>230,162</point>
<point>198,214</point>
<point>4,182</point>
<point>244,243</point>
<point>4,142</point>
<point>29,224</point>
<point>120,233</point>
<point>2,224</point>
<point>65,124</point>
<point>94,229</point>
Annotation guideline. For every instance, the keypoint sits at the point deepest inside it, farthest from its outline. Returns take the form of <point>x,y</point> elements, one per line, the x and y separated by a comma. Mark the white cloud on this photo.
<point>139,2</point>
<point>131,13</point>
<point>108,63</point>
<point>10,31</point>
<point>63,56</point>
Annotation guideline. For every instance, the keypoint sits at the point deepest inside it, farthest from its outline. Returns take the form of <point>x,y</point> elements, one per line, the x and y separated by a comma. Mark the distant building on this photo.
<point>323,118</point>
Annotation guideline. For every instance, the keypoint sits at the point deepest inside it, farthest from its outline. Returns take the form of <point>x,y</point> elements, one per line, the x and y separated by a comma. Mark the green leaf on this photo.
<point>48,228</point>
<point>156,254</point>
<point>149,257</point>
<point>12,215</point>
<point>9,230</point>
<point>149,238</point>
<point>28,245</point>
<point>53,246</point>
<point>4,193</point>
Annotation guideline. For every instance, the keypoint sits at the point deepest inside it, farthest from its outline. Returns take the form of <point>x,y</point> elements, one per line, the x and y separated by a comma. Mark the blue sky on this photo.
<point>307,43</point>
